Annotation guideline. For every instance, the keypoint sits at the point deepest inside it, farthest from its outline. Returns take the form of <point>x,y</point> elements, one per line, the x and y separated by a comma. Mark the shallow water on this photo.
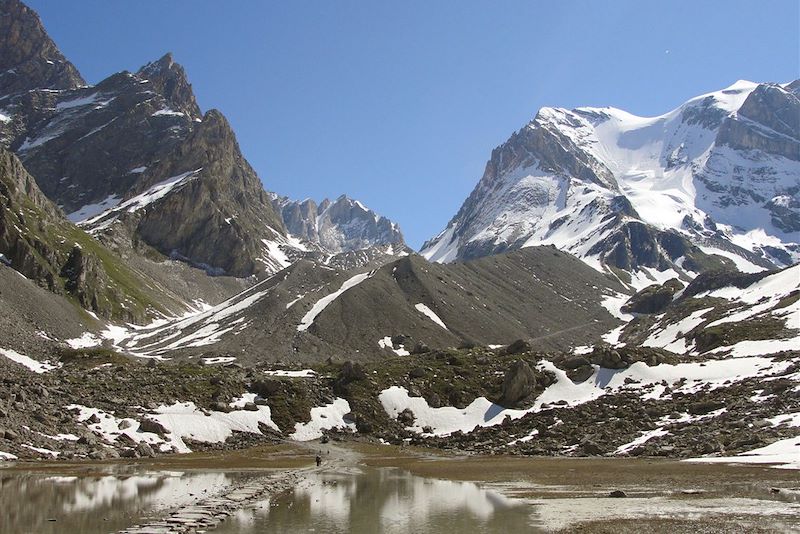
<point>96,502</point>
<point>531,495</point>
<point>384,500</point>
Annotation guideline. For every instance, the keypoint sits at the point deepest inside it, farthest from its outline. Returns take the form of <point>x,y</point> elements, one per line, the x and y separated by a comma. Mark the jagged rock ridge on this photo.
<point>337,226</point>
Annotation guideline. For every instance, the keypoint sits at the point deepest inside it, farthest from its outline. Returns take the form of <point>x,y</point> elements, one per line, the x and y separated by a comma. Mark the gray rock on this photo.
<point>149,425</point>
<point>129,453</point>
<point>581,374</point>
<point>145,450</point>
<point>406,417</point>
<point>518,384</point>
<point>125,423</point>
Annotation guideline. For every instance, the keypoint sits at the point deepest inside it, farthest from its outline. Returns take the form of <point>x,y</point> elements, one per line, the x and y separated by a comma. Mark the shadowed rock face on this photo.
<point>28,57</point>
<point>49,250</point>
<point>518,384</point>
<point>88,144</point>
<point>219,218</point>
<point>769,120</point>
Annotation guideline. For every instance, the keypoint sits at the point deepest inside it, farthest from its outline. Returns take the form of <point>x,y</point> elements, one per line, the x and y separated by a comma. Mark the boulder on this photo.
<point>351,372</point>
<point>581,374</point>
<point>129,453</point>
<point>416,372</point>
<point>517,347</point>
<point>406,417</point>
<point>266,388</point>
<point>145,450</point>
<point>518,384</point>
<point>220,407</point>
<point>574,362</point>
<point>125,423</point>
<point>149,425</point>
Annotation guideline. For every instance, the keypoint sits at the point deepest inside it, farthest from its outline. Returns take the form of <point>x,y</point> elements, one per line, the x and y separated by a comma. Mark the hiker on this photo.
<point>319,460</point>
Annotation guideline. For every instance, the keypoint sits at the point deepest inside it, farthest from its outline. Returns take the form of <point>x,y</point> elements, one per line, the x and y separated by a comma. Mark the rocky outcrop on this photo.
<point>654,298</point>
<point>85,279</point>
<point>170,81</point>
<point>769,121</point>
<point>28,57</point>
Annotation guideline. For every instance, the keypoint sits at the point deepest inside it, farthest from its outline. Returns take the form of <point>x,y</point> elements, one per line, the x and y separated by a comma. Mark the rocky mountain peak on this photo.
<point>169,79</point>
<point>341,225</point>
<point>29,59</point>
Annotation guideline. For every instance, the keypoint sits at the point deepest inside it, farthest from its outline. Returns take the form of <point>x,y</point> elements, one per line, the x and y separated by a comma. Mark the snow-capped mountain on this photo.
<point>719,175</point>
<point>342,225</point>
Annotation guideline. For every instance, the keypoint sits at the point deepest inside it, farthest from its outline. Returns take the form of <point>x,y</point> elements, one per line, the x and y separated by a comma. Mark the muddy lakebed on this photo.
<point>370,488</point>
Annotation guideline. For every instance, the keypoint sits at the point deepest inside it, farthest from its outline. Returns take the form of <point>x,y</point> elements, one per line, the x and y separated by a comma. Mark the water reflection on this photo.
<point>384,500</point>
<point>97,502</point>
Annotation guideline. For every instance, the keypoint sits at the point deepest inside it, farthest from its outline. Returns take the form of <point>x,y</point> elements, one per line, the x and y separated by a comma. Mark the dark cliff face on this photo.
<point>28,57</point>
<point>88,144</point>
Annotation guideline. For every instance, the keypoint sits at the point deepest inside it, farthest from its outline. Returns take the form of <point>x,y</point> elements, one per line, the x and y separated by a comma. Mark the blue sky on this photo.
<point>399,104</point>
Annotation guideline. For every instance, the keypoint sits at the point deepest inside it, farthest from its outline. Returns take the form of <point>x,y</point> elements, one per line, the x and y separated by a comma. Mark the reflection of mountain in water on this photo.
<point>385,500</point>
<point>96,503</point>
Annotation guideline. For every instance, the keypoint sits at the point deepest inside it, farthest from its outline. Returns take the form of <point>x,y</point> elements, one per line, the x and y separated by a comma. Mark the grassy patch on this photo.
<point>728,334</point>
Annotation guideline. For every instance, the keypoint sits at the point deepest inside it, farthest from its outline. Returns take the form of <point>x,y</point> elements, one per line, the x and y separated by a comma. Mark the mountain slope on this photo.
<point>309,312</point>
<point>633,192</point>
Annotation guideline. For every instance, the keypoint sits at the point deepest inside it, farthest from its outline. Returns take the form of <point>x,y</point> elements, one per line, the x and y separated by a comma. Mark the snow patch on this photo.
<point>324,418</point>
<point>426,311</point>
<point>34,365</point>
<point>321,304</point>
